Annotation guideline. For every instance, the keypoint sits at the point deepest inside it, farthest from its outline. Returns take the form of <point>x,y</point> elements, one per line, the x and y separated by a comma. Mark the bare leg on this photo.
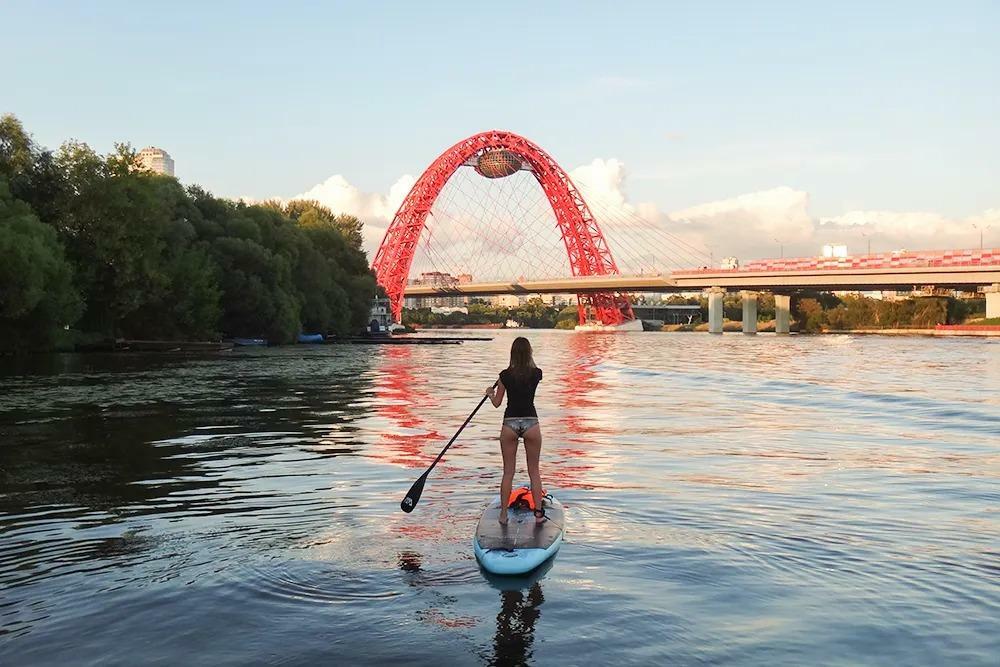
<point>532,452</point>
<point>508,448</point>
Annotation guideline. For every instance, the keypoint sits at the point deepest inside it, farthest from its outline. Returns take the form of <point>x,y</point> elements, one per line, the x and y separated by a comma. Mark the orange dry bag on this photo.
<point>520,498</point>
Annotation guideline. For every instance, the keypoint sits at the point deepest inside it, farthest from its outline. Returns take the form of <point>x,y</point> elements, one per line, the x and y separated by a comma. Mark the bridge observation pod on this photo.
<point>497,154</point>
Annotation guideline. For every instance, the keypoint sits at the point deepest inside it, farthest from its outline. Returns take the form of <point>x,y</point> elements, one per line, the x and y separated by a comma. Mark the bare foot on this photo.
<point>503,518</point>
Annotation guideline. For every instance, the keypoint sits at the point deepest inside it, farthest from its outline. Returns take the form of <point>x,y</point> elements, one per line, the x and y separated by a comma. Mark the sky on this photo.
<point>751,123</point>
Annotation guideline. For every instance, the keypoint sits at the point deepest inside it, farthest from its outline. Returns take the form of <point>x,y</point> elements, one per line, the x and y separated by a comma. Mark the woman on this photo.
<point>519,381</point>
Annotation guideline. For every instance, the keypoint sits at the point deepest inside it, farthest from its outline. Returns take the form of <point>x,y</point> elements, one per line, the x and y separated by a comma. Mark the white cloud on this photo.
<point>912,230</point>
<point>756,224</point>
<point>769,222</point>
<point>749,226</point>
<point>374,209</point>
<point>604,182</point>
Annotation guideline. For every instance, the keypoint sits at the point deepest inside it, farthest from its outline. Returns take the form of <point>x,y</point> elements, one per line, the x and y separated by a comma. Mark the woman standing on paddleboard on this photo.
<point>520,420</point>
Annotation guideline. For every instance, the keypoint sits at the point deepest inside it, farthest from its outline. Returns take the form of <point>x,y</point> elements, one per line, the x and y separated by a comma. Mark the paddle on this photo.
<point>413,496</point>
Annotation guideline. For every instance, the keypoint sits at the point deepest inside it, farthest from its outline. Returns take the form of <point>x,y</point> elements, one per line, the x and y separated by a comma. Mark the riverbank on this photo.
<point>987,330</point>
<point>939,330</point>
<point>490,325</point>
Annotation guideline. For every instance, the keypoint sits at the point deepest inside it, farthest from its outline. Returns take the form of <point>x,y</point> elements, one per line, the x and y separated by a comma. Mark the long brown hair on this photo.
<point>521,361</point>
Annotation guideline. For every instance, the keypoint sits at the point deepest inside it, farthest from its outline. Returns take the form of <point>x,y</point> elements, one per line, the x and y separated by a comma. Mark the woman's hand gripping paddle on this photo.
<point>413,496</point>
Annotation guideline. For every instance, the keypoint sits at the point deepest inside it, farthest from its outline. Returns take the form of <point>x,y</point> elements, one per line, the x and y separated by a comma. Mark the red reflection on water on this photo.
<point>577,384</point>
<point>401,399</point>
<point>579,381</point>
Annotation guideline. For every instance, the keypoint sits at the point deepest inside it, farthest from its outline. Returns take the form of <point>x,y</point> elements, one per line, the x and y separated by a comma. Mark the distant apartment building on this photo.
<point>156,160</point>
<point>506,300</point>
<point>515,300</point>
<point>557,300</point>
<point>438,279</point>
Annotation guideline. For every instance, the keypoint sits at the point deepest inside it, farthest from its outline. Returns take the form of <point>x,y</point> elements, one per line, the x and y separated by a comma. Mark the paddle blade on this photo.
<point>413,496</point>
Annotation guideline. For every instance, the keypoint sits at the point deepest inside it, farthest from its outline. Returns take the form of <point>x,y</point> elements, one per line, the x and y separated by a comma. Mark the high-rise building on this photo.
<point>438,279</point>
<point>156,160</point>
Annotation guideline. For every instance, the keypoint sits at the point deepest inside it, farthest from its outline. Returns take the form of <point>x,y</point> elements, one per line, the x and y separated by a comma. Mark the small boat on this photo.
<point>310,338</point>
<point>250,342</point>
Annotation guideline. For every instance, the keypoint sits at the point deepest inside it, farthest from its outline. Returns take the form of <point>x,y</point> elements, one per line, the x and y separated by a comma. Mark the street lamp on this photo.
<point>981,228</point>
<point>869,239</point>
<point>781,247</point>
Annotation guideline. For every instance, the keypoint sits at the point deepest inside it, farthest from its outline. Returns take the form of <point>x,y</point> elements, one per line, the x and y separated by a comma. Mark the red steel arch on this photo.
<point>588,252</point>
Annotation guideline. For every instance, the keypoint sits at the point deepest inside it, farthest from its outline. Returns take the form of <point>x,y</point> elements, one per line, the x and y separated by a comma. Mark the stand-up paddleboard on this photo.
<point>521,545</point>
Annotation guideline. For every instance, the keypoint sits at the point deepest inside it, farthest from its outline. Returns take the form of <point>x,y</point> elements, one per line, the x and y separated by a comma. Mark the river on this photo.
<point>730,500</point>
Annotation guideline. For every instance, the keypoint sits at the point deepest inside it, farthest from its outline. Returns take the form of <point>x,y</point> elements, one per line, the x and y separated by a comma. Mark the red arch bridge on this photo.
<point>495,206</point>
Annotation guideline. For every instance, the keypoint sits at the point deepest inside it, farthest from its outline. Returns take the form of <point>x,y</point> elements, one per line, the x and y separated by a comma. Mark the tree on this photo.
<point>38,298</point>
<point>348,270</point>
<point>257,291</point>
<point>809,315</point>
<point>567,318</point>
<point>153,260</point>
<point>535,313</point>
<point>310,213</point>
<point>17,150</point>
<point>116,223</point>
<point>958,310</point>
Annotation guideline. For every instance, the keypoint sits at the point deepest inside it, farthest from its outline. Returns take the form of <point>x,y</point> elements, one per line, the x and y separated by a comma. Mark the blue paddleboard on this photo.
<point>521,545</point>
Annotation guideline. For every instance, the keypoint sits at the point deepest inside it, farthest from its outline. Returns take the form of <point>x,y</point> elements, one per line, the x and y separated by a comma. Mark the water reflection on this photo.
<point>580,458</point>
<point>577,394</point>
<point>402,401</point>
<point>248,504</point>
<point>515,632</point>
<point>520,601</point>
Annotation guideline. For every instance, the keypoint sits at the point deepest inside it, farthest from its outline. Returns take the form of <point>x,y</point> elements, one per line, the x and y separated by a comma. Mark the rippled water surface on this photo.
<point>730,500</point>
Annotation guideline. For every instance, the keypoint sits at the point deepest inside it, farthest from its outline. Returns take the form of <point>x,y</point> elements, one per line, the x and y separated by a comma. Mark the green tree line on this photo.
<point>533,313</point>
<point>818,311</point>
<point>94,247</point>
<point>814,312</point>
<point>810,311</point>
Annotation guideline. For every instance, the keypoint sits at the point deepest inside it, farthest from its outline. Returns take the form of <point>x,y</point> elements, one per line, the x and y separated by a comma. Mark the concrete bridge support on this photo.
<point>993,300</point>
<point>749,311</point>
<point>782,313</point>
<point>715,296</point>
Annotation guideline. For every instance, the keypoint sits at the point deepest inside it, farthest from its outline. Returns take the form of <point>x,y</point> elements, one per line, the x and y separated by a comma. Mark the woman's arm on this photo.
<point>496,392</point>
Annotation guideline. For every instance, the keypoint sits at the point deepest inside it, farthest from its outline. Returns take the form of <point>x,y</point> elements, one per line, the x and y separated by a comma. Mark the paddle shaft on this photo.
<point>460,429</point>
<point>413,497</point>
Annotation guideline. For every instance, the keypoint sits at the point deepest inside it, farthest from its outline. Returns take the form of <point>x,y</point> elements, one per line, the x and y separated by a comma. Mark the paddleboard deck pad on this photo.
<point>521,545</point>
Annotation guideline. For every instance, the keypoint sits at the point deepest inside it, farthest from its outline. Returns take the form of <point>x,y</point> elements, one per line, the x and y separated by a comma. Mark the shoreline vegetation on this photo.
<point>811,312</point>
<point>95,249</point>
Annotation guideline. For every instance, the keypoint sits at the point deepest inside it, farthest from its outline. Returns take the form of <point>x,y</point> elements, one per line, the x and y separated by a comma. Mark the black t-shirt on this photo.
<point>520,392</point>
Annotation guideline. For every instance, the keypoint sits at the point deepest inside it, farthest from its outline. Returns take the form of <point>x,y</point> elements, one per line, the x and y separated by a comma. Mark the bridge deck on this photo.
<point>949,269</point>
